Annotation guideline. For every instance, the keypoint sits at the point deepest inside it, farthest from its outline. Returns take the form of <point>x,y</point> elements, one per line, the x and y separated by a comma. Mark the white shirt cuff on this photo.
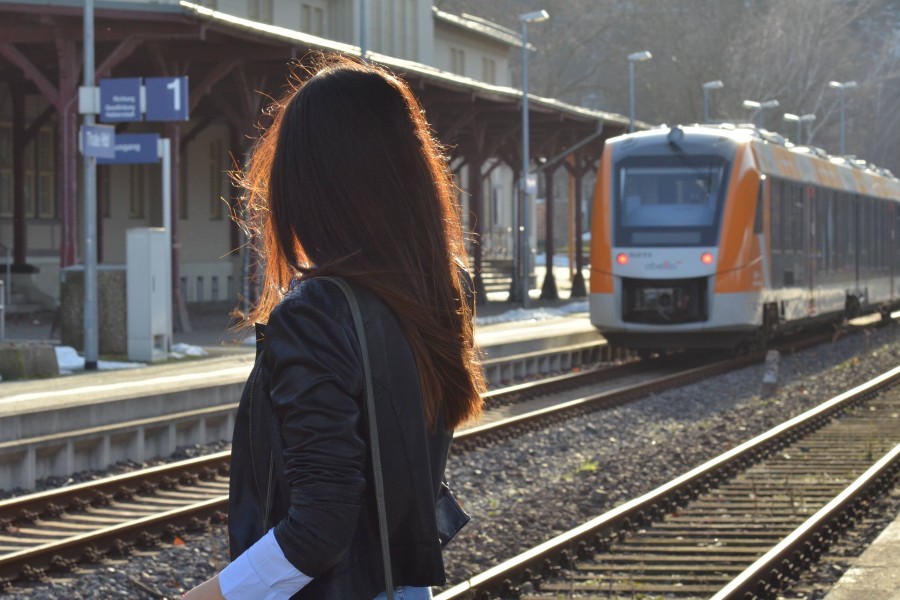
<point>262,572</point>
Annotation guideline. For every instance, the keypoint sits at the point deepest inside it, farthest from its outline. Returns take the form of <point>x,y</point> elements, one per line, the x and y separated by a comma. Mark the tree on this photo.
<point>760,49</point>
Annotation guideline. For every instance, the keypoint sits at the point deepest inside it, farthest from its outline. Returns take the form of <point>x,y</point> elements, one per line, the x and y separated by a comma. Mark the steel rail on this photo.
<point>54,502</point>
<point>780,565</point>
<point>602,530</point>
<point>73,548</point>
<point>71,502</point>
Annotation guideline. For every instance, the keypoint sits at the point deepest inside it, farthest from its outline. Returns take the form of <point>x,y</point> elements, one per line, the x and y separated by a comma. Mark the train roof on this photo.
<point>776,156</point>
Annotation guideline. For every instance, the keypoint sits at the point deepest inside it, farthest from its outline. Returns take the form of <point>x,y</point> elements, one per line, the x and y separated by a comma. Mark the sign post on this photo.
<point>91,331</point>
<point>122,100</point>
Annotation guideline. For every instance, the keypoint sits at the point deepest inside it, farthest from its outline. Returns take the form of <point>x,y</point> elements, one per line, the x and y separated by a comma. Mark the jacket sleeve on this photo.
<point>316,382</point>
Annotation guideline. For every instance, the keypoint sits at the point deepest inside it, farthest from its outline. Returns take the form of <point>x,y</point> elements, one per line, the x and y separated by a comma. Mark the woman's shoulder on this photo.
<point>313,296</point>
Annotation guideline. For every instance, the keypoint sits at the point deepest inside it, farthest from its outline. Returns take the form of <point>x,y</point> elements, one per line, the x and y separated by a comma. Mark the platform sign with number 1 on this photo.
<point>167,98</point>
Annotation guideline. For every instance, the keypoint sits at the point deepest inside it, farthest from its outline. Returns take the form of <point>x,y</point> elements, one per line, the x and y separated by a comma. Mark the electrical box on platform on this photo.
<point>149,294</point>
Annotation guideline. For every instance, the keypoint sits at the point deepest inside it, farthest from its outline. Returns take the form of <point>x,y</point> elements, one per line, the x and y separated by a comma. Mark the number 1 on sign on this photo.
<point>175,86</point>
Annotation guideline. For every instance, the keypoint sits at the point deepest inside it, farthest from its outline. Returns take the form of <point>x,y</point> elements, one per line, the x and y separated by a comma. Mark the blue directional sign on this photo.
<point>167,98</point>
<point>134,148</point>
<point>120,99</point>
<point>98,141</point>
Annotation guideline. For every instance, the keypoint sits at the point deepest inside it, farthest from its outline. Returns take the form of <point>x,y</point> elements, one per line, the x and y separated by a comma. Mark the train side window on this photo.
<point>758,221</point>
<point>865,232</point>
<point>896,234</point>
<point>776,219</point>
<point>786,215</point>
<point>797,220</point>
<point>825,230</point>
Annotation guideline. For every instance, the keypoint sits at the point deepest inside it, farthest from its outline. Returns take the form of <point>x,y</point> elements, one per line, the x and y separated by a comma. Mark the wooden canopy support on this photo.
<point>582,164</point>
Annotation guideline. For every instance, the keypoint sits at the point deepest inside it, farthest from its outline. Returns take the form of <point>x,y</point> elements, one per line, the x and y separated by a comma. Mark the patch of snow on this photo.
<point>70,361</point>
<point>537,314</point>
<point>182,350</point>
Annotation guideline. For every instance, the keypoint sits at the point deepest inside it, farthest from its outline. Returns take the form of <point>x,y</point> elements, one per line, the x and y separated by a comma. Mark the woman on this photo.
<point>349,182</point>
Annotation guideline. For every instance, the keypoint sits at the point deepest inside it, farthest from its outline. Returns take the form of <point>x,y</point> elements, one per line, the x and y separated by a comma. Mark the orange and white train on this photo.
<point>724,237</point>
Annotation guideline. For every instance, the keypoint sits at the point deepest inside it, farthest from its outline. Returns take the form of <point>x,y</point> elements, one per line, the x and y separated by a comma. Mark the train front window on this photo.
<point>669,200</point>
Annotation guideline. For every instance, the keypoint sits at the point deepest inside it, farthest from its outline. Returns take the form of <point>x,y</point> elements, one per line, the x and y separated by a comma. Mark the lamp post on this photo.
<point>633,58</point>
<point>800,120</point>
<point>758,107</point>
<point>709,85</point>
<point>842,87</point>
<point>522,256</point>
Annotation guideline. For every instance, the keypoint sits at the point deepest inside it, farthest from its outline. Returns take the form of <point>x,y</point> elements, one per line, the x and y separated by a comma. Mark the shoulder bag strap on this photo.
<point>373,432</point>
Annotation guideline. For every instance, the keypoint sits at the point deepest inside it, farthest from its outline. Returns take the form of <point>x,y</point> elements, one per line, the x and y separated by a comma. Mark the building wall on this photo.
<point>483,59</point>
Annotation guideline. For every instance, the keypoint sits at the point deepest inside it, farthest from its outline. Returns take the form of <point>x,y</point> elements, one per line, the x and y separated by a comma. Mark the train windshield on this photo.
<point>669,200</point>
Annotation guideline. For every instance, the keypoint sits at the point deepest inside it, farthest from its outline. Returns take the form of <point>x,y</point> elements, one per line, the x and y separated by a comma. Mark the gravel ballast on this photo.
<point>531,488</point>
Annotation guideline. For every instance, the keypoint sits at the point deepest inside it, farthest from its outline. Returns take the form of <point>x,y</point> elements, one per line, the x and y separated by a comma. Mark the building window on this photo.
<point>6,176</point>
<point>103,191</point>
<point>215,180</point>
<point>457,61</point>
<point>30,177</point>
<point>318,22</point>
<point>375,11</point>
<point>305,18</point>
<point>260,10</point>
<point>389,26</point>
<point>413,29</point>
<point>136,210</point>
<point>46,174</point>
<point>488,71</point>
<point>183,187</point>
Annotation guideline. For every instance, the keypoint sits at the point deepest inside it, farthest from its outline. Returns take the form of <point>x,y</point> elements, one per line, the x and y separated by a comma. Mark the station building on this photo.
<point>235,54</point>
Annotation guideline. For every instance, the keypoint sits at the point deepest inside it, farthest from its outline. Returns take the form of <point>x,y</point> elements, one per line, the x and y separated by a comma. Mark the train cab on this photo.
<point>713,237</point>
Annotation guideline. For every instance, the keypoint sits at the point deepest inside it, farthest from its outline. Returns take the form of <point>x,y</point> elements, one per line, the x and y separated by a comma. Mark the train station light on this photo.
<point>633,58</point>
<point>800,120</point>
<point>708,87</point>
<point>522,269</point>
<point>758,107</point>
<point>842,87</point>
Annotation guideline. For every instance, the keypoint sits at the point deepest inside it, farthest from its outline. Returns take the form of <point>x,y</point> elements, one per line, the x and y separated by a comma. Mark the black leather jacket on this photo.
<point>300,460</point>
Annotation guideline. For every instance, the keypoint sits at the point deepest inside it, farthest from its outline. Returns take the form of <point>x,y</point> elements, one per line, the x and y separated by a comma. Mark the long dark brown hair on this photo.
<point>348,180</point>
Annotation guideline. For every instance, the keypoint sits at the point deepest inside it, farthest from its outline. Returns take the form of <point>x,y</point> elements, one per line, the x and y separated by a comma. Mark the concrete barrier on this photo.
<point>112,310</point>
<point>27,360</point>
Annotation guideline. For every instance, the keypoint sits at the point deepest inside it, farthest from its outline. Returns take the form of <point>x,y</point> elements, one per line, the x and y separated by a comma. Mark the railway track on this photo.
<point>55,530</point>
<point>744,525</point>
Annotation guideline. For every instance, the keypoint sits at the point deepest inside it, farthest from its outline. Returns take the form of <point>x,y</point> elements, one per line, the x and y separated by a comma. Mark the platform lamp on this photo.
<point>633,58</point>
<point>707,87</point>
<point>800,120</point>
<point>758,107</point>
<point>842,87</point>
<point>522,269</point>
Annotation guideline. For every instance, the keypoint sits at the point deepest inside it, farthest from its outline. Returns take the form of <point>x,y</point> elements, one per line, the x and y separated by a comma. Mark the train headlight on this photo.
<point>622,258</point>
<point>706,258</point>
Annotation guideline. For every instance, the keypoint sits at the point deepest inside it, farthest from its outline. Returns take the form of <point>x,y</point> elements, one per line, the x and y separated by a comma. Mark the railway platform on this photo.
<point>88,420</point>
<point>875,574</point>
